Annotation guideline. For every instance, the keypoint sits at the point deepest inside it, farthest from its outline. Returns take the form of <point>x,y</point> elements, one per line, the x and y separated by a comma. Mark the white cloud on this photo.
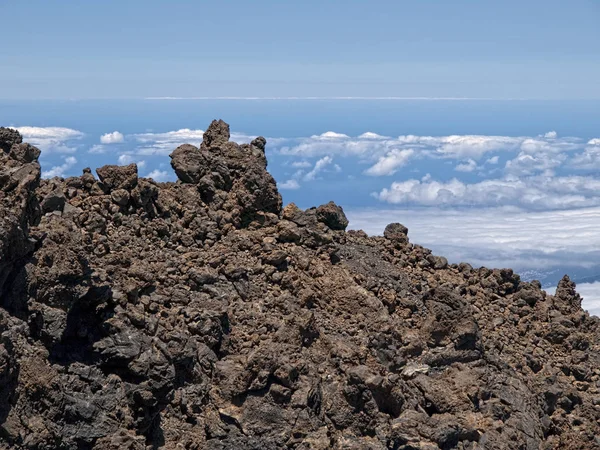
<point>530,164</point>
<point>551,135</point>
<point>97,149</point>
<point>590,292</point>
<point>290,184</point>
<point>550,145</point>
<point>51,139</point>
<point>369,135</point>
<point>301,164</point>
<point>126,159</point>
<point>539,192</point>
<point>589,159</point>
<point>495,237</point>
<point>468,166</point>
<point>373,146</point>
<point>160,175</point>
<point>331,135</point>
<point>320,165</point>
<point>472,146</point>
<point>112,138</point>
<point>493,160</point>
<point>390,163</point>
<point>59,171</point>
<point>165,143</point>
<point>319,146</point>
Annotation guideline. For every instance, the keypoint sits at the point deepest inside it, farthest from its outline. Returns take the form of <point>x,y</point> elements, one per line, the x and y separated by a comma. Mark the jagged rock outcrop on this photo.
<point>230,178</point>
<point>202,315</point>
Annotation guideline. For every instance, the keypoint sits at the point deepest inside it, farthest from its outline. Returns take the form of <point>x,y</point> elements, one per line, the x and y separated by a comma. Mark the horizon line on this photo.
<point>337,98</point>
<point>298,98</point>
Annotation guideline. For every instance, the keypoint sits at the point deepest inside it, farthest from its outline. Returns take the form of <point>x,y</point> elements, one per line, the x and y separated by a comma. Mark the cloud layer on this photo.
<point>51,139</point>
<point>497,237</point>
<point>590,292</point>
<point>538,193</point>
<point>165,143</point>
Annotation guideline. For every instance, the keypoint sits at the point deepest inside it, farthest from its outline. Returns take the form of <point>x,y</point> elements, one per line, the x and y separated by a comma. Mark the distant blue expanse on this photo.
<point>302,119</point>
<point>293,118</point>
<point>436,48</point>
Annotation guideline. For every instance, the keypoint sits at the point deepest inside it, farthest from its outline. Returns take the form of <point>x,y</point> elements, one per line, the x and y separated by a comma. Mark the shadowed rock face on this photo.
<point>202,315</point>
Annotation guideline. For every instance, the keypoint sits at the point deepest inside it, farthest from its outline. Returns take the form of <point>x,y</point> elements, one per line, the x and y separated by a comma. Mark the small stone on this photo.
<point>413,369</point>
<point>260,143</point>
<point>120,197</point>
<point>275,258</point>
<point>439,262</point>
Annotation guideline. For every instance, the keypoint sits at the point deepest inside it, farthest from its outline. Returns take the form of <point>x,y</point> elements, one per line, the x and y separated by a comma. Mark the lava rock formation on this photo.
<point>203,315</point>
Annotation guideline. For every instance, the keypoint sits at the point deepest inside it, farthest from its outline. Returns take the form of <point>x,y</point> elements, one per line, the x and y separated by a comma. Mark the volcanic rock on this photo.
<point>202,315</point>
<point>8,138</point>
<point>396,232</point>
<point>333,216</point>
<point>118,177</point>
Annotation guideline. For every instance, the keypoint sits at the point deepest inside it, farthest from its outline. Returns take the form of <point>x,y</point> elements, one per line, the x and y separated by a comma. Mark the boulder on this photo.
<point>118,177</point>
<point>54,201</point>
<point>396,232</point>
<point>333,216</point>
<point>189,163</point>
<point>24,153</point>
<point>9,137</point>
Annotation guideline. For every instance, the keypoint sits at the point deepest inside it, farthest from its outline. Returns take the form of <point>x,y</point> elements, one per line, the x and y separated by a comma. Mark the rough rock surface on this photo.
<point>202,315</point>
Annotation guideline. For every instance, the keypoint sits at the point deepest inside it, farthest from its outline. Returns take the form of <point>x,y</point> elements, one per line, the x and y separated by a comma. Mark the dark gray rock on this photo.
<point>396,232</point>
<point>54,201</point>
<point>333,216</point>
<point>189,163</point>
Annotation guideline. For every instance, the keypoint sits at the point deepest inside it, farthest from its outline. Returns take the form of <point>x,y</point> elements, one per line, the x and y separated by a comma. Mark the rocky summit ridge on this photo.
<point>202,315</point>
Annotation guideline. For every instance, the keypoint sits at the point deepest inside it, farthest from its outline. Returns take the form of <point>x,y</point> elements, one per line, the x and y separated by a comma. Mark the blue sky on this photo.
<point>459,48</point>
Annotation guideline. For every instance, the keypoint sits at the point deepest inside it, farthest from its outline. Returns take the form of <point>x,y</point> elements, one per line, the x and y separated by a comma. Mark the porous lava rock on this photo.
<point>201,315</point>
<point>333,216</point>
<point>8,138</point>
<point>118,177</point>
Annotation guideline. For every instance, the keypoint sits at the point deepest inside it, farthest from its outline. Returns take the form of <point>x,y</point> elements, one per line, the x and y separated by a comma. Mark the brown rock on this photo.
<point>201,315</point>
<point>118,177</point>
